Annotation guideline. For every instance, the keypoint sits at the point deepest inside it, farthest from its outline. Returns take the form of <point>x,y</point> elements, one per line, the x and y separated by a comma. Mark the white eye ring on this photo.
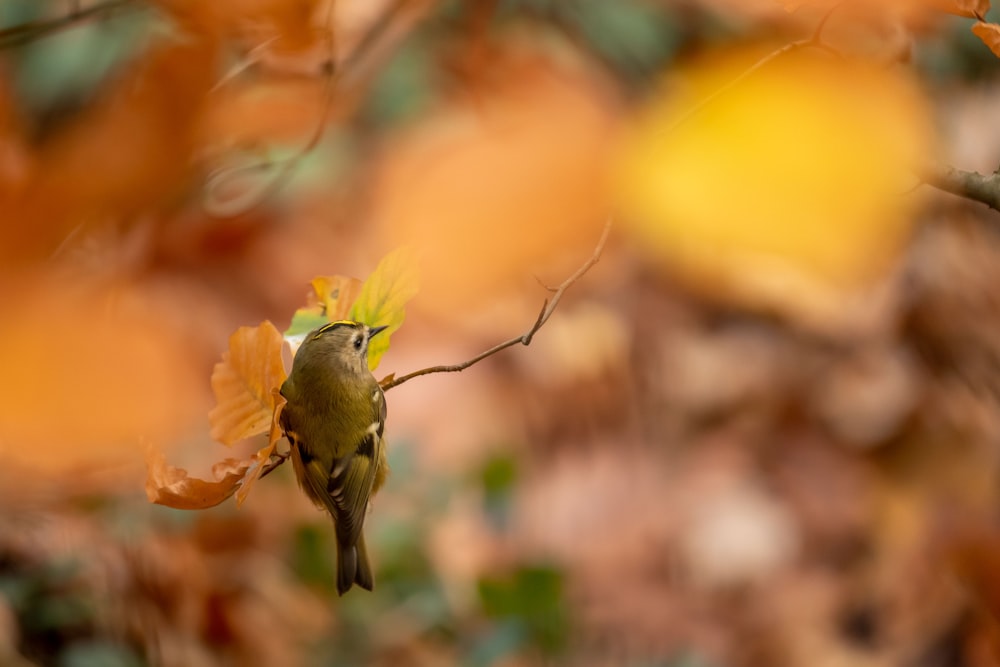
<point>357,342</point>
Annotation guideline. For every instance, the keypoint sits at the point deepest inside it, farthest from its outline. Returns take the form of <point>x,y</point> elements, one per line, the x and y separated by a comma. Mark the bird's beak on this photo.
<point>375,330</point>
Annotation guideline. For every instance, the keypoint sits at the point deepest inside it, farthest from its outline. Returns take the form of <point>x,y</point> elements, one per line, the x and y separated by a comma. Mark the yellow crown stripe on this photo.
<point>333,325</point>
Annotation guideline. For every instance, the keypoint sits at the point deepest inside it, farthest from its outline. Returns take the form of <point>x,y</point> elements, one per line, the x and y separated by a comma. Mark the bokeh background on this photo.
<point>761,431</point>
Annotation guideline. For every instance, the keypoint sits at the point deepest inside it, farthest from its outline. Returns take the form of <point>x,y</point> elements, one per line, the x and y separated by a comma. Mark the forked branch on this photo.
<point>26,32</point>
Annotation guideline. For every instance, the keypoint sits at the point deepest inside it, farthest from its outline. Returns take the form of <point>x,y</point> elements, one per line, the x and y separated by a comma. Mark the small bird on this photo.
<point>334,420</point>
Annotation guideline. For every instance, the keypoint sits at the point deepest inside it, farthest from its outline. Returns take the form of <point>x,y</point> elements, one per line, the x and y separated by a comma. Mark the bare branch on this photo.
<point>344,82</point>
<point>969,184</point>
<point>26,32</point>
<point>548,307</point>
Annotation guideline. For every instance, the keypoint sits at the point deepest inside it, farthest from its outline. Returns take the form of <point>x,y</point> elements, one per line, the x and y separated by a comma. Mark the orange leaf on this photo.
<point>337,294</point>
<point>990,34</point>
<point>331,300</point>
<point>243,382</point>
<point>170,486</point>
<point>970,8</point>
<point>265,453</point>
<point>518,184</point>
<point>142,131</point>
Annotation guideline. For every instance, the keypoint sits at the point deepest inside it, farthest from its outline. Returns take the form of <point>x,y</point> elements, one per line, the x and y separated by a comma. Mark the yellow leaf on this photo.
<point>786,190</point>
<point>172,487</point>
<point>263,455</point>
<point>383,299</point>
<point>243,382</point>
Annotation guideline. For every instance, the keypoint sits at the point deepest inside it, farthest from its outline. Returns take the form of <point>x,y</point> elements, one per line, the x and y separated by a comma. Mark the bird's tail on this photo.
<point>353,567</point>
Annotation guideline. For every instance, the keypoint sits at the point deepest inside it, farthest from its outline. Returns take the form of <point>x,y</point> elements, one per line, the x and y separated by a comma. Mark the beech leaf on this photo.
<point>383,299</point>
<point>173,487</point>
<point>243,383</point>
<point>969,8</point>
<point>990,34</point>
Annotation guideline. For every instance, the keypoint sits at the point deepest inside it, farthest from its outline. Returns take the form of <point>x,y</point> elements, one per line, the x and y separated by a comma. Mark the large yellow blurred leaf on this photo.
<point>786,190</point>
<point>383,299</point>
<point>170,486</point>
<point>243,382</point>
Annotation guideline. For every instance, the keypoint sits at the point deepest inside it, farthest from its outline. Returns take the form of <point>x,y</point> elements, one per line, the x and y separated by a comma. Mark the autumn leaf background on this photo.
<point>761,431</point>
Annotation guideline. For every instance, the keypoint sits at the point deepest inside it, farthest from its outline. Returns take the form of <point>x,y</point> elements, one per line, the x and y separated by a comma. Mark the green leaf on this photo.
<point>305,320</point>
<point>383,299</point>
<point>531,597</point>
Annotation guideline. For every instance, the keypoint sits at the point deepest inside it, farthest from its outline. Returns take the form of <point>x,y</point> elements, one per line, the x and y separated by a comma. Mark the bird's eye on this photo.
<point>357,342</point>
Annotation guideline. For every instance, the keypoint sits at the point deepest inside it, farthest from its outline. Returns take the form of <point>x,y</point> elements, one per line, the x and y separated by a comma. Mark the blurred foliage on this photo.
<point>687,468</point>
<point>530,608</point>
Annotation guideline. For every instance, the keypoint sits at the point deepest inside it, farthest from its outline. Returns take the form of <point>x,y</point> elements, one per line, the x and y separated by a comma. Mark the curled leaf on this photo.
<point>243,382</point>
<point>383,299</point>
<point>172,487</point>
<point>968,8</point>
<point>989,33</point>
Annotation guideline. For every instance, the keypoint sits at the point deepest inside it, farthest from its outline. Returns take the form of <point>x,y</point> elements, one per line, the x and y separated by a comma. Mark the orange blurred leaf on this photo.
<point>243,382</point>
<point>264,454</point>
<point>990,34</point>
<point>971,8</point>
<point>172,487</point>
<point>125,372</point>
<point>490,190</point>
<point>141,131</point>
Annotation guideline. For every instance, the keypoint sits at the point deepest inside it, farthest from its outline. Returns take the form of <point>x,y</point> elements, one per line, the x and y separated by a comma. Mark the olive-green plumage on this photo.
<point>334,421</point>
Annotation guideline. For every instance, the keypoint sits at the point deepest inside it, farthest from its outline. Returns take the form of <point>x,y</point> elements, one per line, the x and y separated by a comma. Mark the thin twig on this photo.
<point>26,32</point>
<point>285,167</point>
<point>548,307</point>
<point>813,41</point>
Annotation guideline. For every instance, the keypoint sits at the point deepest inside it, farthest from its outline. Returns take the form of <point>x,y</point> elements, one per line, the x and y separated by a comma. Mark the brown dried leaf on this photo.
<point>261,458</point>
<point>243,383</point>
<point>172,487</point>
<point>990,34</point>
<point>972,9</point>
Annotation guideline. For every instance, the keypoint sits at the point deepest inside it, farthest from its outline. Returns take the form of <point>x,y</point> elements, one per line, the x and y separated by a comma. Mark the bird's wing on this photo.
<point>350,487</point>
